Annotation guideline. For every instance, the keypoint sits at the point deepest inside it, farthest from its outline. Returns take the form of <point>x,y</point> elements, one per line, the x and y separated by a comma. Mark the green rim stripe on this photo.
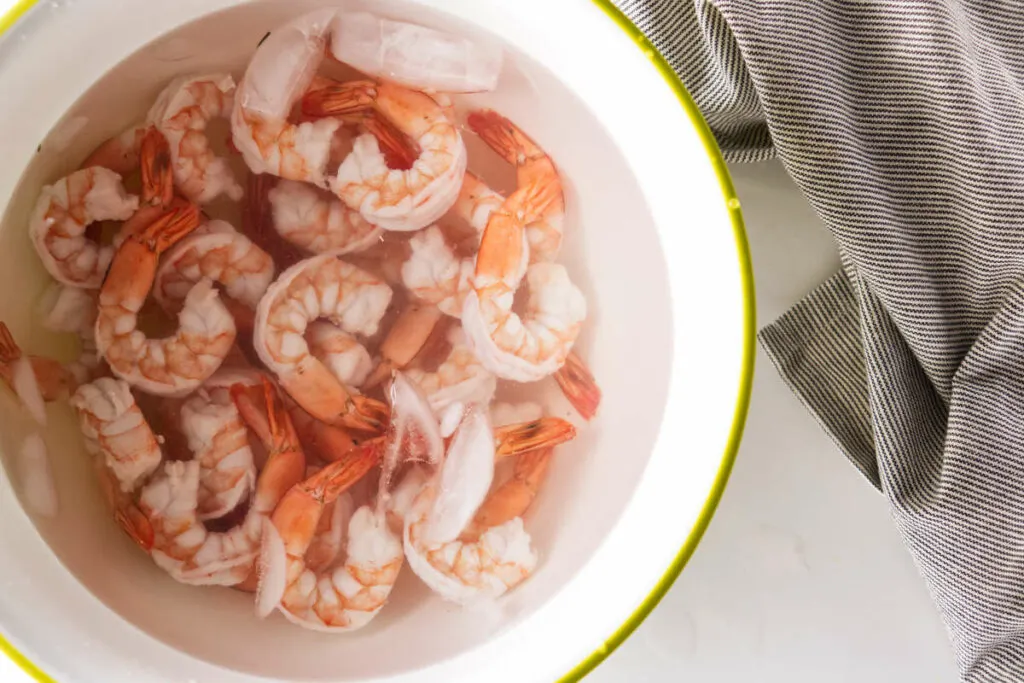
<point>21,660</point>
<point>6,21</point>
<point>749,327</point>
<point>742,402</point>
<point>19,8</point>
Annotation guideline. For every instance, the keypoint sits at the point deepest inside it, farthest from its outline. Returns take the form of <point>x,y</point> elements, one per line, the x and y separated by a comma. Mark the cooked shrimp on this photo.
<point>120,153</point>
<point>219,440</point>
<point>544,221</point>
<point>435,275</point>
<point>522,431</point>
<point>533,346</point>
<point>467,571</point>
<point>222,255</point>
<point>395,199</point>
<point>322,286</point>
<point>348,596</point>
<point>178,364</point>
<point>457,570</point>
<point>278,74</point>
<point>62,214</point>
<point>520,348</point>
<point>476,204</point>
<point>183,546</point>
<point>340,352</point>
<point>318,223</point>
<point>181,112</point>
<point>116,430</point>
<point>460,378</point>
<point>414,55</point>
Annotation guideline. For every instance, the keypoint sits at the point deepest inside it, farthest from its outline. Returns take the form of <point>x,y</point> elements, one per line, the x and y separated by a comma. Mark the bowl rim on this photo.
<point>612,642</point>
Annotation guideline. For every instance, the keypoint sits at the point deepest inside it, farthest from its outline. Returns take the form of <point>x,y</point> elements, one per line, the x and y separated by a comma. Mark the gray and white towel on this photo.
<point>903,123</point>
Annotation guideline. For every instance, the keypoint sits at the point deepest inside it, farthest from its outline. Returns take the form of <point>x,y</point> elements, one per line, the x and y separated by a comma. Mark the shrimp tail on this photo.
<point>501,135</point>
<point>579,386</point>
<point>136,524</point>
<point>328,442</point>
<point>156,169</point>
<point>286,461</point>
<point>337,477</point>
<point>400,152</point>
<point>9,349</point>
<point>520,438</point>
<point>514,497</point>
<point>264,415</point>
<point>534,200</point>
<point>370,415</point>
<point>330,98</point>
<point>169,229</point>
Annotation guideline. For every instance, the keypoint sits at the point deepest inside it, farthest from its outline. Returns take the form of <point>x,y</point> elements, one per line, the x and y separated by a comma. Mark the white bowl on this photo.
<point>654,238</point>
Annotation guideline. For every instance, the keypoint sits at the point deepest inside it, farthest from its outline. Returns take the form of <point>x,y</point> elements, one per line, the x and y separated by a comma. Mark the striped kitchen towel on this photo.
<point>902,121</point>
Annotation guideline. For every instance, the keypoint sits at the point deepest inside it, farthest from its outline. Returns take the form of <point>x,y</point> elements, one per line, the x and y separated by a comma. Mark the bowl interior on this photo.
<point>613,253</point>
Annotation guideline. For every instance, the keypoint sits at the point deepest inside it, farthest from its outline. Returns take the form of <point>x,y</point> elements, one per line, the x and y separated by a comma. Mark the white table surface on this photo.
<point>801,575</point>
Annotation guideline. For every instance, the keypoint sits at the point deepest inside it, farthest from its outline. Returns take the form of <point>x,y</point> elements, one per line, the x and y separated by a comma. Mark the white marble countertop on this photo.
<point>801,576</point>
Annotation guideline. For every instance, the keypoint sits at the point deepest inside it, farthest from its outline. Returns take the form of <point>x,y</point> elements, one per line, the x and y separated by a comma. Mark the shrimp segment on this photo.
<point>178,364</point>
<point>413,55</point>
<point>460,378</point>
<point>407,336</point>
<point>62,214</point>
<point>322,286</point>
<point>120,153</point>
<point>183,546</point>
<point>531,347</point>
<point>395,199</point>
<point>116,430</point>
<point>435,275</point>
<point>132,520</point>
<point>218,438</point>
<point>476,202</point>
<point>181,112</point>
<point>514,497</point>
<point>316,223</point>
<point>344,356</point>
<point>281,70</point>
<point>349,596</point>
<point>222,255</point>
<point>533,167</point>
